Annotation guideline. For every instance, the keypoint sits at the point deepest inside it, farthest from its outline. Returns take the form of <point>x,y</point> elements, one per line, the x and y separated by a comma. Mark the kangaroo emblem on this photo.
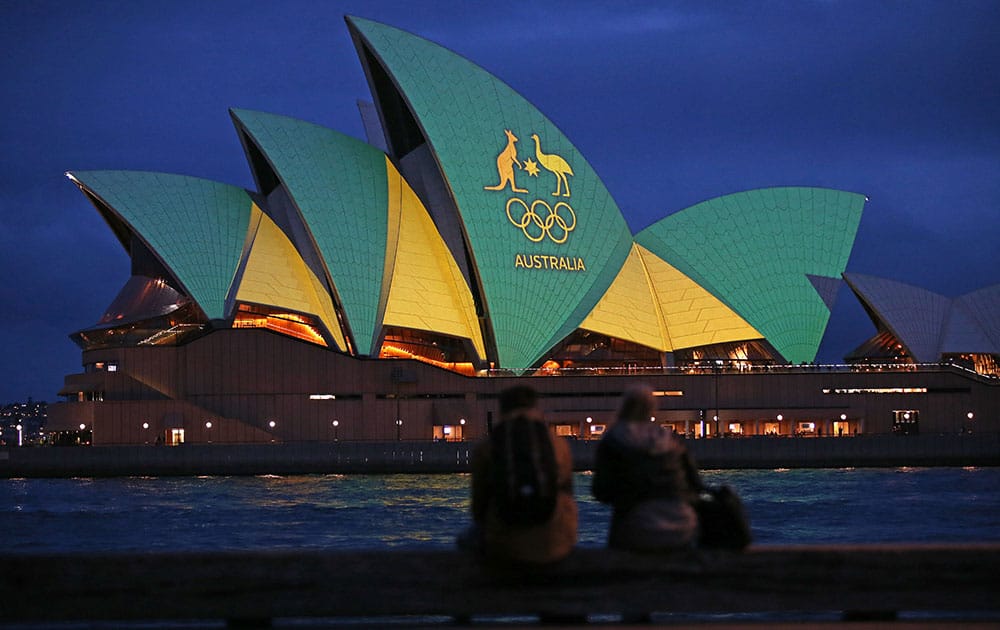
<point>505,165</point>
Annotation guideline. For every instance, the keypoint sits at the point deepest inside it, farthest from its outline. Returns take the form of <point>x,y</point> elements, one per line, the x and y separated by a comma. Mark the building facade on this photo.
<point>388,289</point>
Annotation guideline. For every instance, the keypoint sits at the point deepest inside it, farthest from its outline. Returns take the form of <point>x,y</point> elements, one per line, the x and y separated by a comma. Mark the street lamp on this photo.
<point>715,378</point>
<point>399,428</point>
<point>20,440</point>
<point>336,430</point>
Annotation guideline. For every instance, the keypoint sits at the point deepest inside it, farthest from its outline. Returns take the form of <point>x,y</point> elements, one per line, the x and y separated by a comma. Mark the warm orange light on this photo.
<point>290,324</point>
<point>390,351</point>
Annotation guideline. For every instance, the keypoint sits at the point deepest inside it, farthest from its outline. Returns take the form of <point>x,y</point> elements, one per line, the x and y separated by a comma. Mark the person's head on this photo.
<point>637,404</point>
<point>516,399</point>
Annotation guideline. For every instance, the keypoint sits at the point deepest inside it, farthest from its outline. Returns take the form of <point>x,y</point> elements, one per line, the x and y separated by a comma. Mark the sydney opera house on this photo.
<point>389,289</point>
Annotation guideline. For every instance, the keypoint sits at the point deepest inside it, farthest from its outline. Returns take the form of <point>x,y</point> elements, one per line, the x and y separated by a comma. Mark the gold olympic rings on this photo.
<point>553,222</point>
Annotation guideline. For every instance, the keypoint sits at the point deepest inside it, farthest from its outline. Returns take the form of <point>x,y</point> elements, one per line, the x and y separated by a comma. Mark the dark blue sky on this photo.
<point>672,103</point>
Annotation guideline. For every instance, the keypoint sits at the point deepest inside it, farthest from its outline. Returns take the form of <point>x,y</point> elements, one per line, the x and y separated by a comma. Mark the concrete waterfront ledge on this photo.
<point>981,449</point>
<point>850,582</point>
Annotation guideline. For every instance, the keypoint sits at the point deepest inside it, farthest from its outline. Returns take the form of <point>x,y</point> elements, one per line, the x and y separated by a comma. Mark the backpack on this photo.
<point>524,472</point>
<point>722,520</point>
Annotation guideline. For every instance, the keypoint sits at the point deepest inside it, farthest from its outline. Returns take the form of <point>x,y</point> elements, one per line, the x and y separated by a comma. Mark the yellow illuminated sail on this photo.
<point>628,309</point>
<point>276,275</point>
<point>428,291</point>
<point>693,316</point>
<point>653,304</point>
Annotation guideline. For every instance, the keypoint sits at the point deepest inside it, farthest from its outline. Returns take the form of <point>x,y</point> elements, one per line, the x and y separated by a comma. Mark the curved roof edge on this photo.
<point>339,186</point>
<point>928,324</point>
<point>195,227</point>
<point>770,254</point>
<point>535,288</point>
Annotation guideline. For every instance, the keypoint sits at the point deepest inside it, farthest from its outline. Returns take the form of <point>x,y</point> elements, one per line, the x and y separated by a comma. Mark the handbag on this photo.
<point>722,521</point>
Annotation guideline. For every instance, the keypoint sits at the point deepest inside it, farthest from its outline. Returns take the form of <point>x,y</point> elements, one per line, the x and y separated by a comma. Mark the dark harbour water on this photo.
<point>377,511</point>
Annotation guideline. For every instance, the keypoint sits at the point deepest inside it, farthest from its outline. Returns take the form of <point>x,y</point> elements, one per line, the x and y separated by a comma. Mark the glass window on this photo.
<point>176,437</point>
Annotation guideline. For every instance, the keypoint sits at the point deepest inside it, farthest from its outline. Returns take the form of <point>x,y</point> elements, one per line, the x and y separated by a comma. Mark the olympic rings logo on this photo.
<point>553,225</point>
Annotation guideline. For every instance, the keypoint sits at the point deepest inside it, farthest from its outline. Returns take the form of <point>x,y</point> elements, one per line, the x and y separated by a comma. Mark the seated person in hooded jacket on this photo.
<point>538,543</point>
<point>647,476</point>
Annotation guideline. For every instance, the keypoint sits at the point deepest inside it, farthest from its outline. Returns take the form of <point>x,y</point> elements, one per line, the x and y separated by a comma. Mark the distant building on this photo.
<point>390,289</point>
<point>917,326</point>
<point>22,423</point>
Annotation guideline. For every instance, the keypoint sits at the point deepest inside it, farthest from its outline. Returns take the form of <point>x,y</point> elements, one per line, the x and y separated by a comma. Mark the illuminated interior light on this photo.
<point>322,397</point>
<point>392,351</point>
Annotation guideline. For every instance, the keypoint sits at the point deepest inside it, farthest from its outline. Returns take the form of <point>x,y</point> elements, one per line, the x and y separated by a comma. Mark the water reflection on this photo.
<point>374,511</point>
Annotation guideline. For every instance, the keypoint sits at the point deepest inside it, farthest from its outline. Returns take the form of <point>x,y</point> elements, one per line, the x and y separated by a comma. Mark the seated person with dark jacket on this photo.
<point>542,525</point>
<point>646,475</point>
